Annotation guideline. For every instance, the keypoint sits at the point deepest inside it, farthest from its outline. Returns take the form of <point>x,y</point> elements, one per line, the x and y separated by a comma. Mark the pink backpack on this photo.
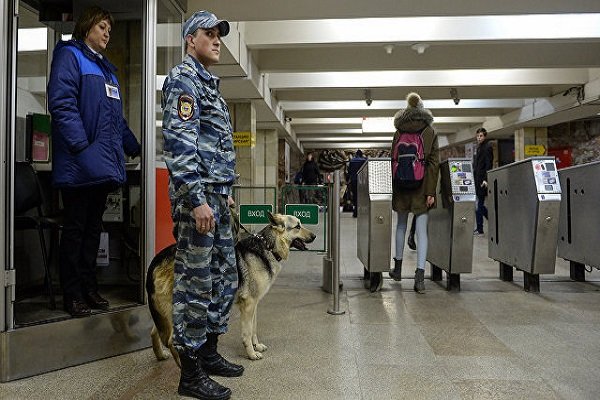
<point>408,161</point>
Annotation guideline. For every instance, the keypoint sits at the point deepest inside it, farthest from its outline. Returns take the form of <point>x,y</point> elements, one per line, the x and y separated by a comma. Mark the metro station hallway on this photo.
<point>490,341</point>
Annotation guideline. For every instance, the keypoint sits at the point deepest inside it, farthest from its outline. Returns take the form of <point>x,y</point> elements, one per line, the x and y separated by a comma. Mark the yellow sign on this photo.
<point>244,139</point>
<point>535,150</point>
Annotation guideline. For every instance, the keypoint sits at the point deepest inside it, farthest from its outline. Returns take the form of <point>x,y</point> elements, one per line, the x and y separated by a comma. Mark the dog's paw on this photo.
<point>161,356</point>
<point>255,356</point>
<point>260,347</point>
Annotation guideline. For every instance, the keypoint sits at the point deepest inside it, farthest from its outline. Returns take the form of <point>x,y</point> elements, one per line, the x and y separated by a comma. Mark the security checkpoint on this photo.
<point>578,233</point>
<point>374,225</point>
<point>450,225</point>
<point>524,207</point>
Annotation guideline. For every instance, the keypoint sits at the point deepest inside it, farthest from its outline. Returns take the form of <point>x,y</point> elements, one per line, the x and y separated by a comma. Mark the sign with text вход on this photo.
<point>307,213</point>
<point>255,213</point>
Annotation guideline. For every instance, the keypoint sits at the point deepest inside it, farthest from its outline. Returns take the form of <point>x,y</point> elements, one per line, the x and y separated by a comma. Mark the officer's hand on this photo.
<point>484,184</point>
<point>430,201</point>
<point>205,220</point>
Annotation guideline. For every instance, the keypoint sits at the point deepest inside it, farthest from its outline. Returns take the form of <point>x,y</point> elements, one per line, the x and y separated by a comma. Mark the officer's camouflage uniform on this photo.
<point>200,157</point>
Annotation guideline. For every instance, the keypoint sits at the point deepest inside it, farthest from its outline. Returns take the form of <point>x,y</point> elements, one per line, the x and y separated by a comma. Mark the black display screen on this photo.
<point>550,167</point>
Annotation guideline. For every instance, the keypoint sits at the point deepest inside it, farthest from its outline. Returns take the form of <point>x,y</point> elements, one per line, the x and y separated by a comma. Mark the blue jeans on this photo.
<point>480,212</point>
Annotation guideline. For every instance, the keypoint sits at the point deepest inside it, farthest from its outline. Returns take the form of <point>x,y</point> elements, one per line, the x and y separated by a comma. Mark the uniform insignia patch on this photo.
<point>185,107</point>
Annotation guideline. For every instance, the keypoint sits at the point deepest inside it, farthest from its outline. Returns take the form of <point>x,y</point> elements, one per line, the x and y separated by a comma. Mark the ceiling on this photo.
<point>309,66</point>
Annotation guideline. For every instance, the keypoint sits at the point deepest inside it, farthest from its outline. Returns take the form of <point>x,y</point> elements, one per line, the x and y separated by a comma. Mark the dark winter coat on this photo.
<point>310,173</point>
<point>357,161</point>
<point>413,120</point>
<point>482,162</point>
<point>89,133</point>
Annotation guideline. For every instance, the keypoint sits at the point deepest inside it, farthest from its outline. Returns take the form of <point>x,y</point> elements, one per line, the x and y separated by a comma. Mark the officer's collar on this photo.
<point>197,65</point>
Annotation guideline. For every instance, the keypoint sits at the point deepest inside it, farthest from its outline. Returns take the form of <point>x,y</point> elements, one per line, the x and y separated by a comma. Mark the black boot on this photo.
<point>396,273</point>
<point>194,382</point>
<point>214,363</point>
<point>419,281</point>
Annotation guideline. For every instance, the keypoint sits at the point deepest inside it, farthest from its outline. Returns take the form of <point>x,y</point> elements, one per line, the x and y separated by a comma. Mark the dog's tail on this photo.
<point>165,254</point>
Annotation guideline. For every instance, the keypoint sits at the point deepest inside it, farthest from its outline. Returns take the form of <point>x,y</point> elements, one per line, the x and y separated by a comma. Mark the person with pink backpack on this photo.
<point>415,161</point>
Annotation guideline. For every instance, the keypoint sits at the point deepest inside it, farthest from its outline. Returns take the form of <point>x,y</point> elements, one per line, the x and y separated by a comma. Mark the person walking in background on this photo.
<point>90,139</point>
<point>415,161</point>
<point>482,163</point>
<point>200,157</point>
<point>355,163</point>
<point>310,176</point>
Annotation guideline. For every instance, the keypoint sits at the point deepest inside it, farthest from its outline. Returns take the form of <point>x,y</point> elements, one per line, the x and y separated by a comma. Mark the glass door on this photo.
<point>35,255</point>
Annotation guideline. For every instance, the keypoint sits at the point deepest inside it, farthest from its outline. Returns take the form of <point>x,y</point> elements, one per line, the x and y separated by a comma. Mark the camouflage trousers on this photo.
<point>205,274</point>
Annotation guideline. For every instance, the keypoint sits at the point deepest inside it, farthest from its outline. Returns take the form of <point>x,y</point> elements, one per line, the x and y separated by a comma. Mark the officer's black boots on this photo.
<point>214,363</point>
<point>194,382</point>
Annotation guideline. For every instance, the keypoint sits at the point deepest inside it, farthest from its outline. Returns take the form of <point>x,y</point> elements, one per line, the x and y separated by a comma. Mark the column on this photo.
<point>243,118</point>
<point>530,142</point>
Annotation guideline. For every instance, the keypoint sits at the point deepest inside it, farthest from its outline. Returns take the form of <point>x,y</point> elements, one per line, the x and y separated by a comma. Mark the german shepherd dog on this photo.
<point>259,258</point>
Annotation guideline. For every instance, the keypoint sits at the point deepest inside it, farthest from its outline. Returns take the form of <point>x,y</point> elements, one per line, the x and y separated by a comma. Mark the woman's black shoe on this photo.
<point>77,308</point>
<point>94,300</point>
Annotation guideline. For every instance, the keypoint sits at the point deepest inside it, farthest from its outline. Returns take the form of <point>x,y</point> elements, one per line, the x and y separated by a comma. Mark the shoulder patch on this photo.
<point>185,107</point>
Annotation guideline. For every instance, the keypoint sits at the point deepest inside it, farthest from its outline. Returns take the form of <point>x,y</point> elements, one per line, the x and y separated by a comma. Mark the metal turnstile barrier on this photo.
<point>523,218</point>
<point>450,225</point>
<point>374,225</point>
<point>578,228</point>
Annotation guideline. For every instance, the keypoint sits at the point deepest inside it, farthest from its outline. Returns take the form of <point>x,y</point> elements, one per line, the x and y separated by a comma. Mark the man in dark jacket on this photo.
<point>310,176</point>
<point>357,161</point>
<point>482,162</point>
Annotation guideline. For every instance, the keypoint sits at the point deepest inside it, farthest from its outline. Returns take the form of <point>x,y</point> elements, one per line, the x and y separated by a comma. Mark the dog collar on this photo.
<point>275,254</point>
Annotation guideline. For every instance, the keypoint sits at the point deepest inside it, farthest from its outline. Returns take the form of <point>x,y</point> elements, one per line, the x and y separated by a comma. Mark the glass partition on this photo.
<point>119,266</point>
<point>169,52</point>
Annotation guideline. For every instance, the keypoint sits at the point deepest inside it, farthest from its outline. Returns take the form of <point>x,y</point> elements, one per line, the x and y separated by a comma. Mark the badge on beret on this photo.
<point>185,107</point>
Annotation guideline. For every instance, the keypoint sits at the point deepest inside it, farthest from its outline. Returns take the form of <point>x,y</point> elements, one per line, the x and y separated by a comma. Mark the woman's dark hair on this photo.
<point>90,17</point>
<point>482,130</point>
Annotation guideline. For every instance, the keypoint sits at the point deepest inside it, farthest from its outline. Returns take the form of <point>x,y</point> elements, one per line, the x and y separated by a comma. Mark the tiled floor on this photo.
<point>492,340</point>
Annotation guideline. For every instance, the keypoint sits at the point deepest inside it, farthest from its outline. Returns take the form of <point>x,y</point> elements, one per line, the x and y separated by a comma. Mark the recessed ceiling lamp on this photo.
<point>388,48</point>
<point>419,47</point>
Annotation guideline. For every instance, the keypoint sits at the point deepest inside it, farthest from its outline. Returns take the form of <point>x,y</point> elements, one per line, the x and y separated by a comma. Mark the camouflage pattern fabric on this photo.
<point>205,20</point>
<point>197,131</point>
<point>199,154</point>
<point>205,275</point>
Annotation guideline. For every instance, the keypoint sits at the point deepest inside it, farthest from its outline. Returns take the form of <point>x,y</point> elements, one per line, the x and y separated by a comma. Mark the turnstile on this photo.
<point>450,225</point>
<point>578,228</point>
<point>523,218</point>
<point>374,225</point>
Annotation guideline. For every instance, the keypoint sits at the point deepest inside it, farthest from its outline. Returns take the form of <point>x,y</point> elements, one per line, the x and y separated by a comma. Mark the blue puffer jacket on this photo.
<point>89,133</point>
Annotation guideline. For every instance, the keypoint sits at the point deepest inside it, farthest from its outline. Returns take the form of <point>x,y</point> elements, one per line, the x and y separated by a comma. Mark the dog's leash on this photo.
<point>236,219</point>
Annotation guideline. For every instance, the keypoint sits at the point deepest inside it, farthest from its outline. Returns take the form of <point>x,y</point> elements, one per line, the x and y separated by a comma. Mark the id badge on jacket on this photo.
<point>112,91</point>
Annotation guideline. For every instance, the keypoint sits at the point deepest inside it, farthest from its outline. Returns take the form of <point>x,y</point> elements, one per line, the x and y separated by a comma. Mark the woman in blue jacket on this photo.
<point>90,138</point>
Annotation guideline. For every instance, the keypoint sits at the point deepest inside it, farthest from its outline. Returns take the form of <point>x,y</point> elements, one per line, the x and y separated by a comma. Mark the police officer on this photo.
<point>199,155</point>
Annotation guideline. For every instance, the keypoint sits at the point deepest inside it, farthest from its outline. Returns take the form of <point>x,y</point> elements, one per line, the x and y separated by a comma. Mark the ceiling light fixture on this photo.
<point>419,47</point>
<point>389,48</point>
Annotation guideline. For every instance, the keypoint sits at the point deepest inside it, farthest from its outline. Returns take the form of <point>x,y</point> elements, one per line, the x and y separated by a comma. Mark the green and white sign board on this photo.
<point>307,213</point>
<point>255,213</point>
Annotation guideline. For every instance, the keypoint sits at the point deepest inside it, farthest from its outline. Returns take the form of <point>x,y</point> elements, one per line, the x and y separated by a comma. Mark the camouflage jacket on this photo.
<point>197,130</point>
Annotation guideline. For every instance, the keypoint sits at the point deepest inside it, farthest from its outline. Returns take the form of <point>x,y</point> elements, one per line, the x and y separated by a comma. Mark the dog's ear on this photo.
<point>272,219</point>
<point>276,221</point>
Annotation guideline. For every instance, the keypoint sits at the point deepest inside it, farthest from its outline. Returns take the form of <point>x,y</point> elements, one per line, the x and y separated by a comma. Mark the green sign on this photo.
<point>307,213</point>
<point>255,213</point>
